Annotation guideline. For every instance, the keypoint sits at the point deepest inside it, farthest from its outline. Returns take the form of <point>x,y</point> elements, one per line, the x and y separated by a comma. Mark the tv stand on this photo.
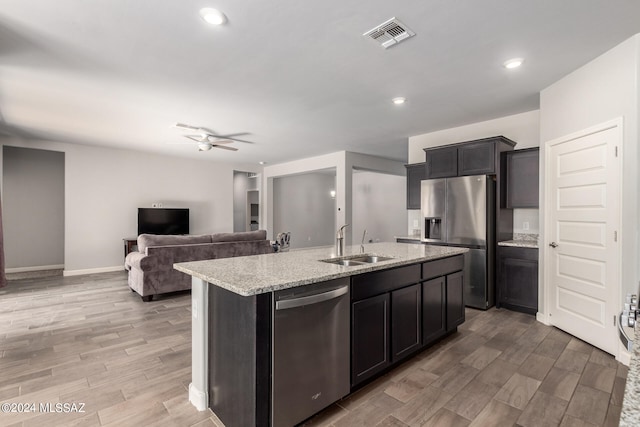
<point>130,245</point>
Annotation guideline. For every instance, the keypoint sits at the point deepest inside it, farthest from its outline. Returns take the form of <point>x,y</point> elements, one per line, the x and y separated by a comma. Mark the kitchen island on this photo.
<point>415,290</point>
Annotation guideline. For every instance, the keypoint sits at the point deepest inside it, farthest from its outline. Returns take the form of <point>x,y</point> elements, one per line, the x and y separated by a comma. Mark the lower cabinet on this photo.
<point>518,279</point>
<point>442,306</point>
<point>455,302</point>
<point>369,337</point>
<point>405,321</point>
<point>395,313</point>
<point>434,321</point>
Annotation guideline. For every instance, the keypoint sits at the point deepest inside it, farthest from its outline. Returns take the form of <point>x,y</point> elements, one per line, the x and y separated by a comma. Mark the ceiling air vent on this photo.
<point>389,33</point>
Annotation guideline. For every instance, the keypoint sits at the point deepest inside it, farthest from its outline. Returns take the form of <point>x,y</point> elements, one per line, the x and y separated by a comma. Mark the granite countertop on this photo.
<point>630,415</point>
<point>257,274</point>
<point>522,240</point>
<point>519,243</point>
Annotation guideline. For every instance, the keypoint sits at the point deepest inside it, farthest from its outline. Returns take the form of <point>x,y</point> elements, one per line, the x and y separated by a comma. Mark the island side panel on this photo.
<point>239,357</point>
<point>199,387</point>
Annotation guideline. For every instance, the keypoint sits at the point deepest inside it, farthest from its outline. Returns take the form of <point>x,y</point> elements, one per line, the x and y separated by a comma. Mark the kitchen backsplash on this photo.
<point>521,218</point>
<point>529,237</point>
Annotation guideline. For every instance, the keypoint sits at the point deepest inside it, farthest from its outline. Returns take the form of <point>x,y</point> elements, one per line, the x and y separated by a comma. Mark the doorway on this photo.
<point>33,211</point>
<point>246,201</point>
<point>583,221</point>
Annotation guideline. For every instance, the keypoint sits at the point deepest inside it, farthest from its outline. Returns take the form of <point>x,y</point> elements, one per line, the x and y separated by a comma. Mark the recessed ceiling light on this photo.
<point>263,163</point>
<point>513,63</point>
<point>399,100</point>
<point>213,16</point>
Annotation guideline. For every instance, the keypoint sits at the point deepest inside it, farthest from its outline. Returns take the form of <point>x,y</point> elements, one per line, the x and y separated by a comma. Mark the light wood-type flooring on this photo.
<point>88,339</point>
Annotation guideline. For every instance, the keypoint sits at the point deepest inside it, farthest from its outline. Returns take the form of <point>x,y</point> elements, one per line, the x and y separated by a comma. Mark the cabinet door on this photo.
<point>522,178</point>
<point>455,300</point>
<point>415,174</point>
<point>433,310</point>
<point>477,159</point>
<point>369,337</point>
<point>442,162</point>
<point>518,279</point>
<point>405,321</point>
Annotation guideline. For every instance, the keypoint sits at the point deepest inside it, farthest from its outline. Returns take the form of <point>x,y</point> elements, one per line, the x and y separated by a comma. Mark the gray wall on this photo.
<point>379,205</point>
<point>104,187</point>
<point>303,206</point>
<point>33,207</point>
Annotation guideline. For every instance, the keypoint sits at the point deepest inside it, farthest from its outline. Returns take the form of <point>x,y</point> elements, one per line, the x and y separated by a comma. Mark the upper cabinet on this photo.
<point>521,189</point>
<point>479,157</point>
<point>415,174</point>
<point>442,162</point>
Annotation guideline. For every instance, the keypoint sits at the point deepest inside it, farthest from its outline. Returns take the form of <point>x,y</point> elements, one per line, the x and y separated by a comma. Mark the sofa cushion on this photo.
<point>146,240</point>
<point>239,236</point>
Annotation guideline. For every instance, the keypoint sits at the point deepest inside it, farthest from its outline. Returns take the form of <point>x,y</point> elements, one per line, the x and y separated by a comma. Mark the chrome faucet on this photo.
<point>340,240</point>
<point>362,243</point>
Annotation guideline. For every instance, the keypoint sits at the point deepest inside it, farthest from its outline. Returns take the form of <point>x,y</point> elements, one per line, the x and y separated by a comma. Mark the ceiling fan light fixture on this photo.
<point>204,146</point>
<point>212,16</point>
<point>513,63</point>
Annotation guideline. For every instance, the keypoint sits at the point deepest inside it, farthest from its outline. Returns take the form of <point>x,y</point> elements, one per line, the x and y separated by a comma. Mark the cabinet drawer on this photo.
<point>442,267</point>
<point>370,284</point>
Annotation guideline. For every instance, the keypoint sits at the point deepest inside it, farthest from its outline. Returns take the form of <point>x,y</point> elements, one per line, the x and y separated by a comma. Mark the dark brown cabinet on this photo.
<point>455,300</point>
<point>396,312</point>
<point>522,188</point>
<point>442,306</point>
<point>369,337</point>
<point>441,162</point>
<point>415,174</point>
<point>479,157</point>
<point>518,279</point>
<point>405,321</point>
<point>433,309</point>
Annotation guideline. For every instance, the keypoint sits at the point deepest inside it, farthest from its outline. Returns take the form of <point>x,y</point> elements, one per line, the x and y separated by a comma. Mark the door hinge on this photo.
<point>615,236</point>
<point>614,320</point>
<point>616,150</point>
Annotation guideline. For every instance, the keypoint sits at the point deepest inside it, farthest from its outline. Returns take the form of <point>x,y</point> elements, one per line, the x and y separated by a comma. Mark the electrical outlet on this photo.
<point>525,225</point>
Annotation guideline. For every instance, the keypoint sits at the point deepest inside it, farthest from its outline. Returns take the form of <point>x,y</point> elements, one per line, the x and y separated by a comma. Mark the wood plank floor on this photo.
<point>88,339</point>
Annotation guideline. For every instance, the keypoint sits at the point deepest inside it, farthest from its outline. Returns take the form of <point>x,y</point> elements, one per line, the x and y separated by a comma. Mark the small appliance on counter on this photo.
<point>628,319</point>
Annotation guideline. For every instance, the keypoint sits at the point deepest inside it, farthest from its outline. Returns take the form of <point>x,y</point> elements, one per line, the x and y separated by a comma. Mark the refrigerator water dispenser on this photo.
<point>432,228</point>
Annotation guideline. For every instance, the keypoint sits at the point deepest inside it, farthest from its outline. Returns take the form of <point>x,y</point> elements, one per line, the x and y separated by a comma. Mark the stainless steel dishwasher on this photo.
<point>310,350</point>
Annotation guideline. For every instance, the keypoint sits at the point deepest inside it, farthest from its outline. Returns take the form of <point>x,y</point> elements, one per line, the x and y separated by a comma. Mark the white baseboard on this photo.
<point>542,318</point>
<point>198,398</point>
<point>35,268</point>
<point>92,271</point>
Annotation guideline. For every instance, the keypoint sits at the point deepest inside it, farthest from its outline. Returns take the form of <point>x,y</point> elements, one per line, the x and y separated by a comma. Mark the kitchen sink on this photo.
<point>357,260</point>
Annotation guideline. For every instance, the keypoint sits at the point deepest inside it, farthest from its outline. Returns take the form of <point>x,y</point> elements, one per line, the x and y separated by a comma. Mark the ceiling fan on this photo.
<point>207,139</point>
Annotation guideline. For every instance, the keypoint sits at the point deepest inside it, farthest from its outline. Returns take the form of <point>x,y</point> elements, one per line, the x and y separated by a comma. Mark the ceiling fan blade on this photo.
<point>224,148</point>
<point>215,140</point>
<point>184,126</point>
<point>196,138</point>
<point>233,139</point>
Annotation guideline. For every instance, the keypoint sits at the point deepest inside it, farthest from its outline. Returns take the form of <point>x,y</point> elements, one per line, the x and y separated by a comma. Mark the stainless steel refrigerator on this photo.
<point>460,212</point>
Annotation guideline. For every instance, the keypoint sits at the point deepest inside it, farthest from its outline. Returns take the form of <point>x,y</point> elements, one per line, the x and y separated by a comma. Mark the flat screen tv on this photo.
<point>163,221</point>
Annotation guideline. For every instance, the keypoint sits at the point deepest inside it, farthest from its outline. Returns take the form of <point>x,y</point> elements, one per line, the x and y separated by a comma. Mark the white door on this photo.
<point>582,253</point>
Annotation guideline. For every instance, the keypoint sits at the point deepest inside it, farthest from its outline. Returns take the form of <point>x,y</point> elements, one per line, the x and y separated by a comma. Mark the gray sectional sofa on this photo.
<point>151,268</point>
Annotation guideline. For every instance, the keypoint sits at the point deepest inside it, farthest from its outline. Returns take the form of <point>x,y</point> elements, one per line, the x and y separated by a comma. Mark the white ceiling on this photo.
<point>296,74</point>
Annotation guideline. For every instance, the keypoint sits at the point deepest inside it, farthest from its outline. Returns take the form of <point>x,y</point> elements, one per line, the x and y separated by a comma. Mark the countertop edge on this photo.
<point>630,413</point>
<point>519,244</point>
<point>347,271</point>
